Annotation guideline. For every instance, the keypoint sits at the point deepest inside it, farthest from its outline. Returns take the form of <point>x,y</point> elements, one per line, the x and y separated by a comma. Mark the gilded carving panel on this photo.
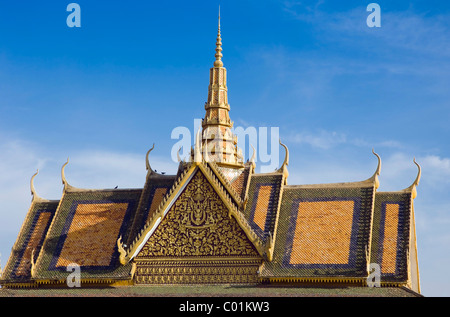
<point>198,225</point>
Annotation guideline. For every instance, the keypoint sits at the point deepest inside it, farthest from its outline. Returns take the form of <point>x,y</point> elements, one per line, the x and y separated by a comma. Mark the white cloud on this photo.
<point>438,165</point>
<point>406,30</point>
<point>322,139</point>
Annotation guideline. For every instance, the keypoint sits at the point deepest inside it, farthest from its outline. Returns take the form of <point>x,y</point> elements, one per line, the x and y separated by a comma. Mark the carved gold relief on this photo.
<point>197,272</point>
<point>198,225</point>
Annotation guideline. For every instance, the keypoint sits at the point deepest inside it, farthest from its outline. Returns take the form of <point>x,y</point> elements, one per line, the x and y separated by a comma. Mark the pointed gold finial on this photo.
<point>147,163</point>
<point>374,178</point>
<point>413,186</point>
<point>283,167</point>
<point>35,196</point>
<point>218,62</point>
<point>63,175</point>
<point>286,158</point>
<point>33,190</point>
<point>419,172</point>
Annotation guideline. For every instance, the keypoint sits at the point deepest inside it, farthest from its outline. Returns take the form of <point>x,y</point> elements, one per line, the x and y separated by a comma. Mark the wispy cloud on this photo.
<point>323,139</point>
<point>407,30</point>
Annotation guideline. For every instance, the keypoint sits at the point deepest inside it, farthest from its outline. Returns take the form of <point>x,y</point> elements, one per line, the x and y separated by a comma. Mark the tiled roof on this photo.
<point>262,205</point>
<point>391,235</point>
<point>155,188</point>
<point>31,237</point>
<point>85,231</point>
<point>237,178</point>
<point>322,232</point>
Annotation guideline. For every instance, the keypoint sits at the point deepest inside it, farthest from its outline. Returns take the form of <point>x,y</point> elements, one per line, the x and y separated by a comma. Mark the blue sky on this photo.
<point>103,93</point>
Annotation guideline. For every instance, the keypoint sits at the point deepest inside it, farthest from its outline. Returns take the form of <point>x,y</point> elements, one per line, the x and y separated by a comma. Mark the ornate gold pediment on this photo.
<point>198,224</point>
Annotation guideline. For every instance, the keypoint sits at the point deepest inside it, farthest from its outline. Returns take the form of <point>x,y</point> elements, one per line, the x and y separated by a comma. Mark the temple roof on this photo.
<point>155,189</point>
<point>391,236</point>
<point>322,233</point>
<point>304,233</point>
<point>29,241</point>
<point>85,231</point>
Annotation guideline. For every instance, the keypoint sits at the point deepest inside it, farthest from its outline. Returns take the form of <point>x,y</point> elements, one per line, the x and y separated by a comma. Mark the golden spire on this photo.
<point>218,143</point>
<point>218,62</point>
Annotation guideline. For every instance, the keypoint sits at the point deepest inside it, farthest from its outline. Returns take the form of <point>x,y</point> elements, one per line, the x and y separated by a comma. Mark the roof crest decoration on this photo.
<point>374,178</point>
<point>413,186</point>
<point>36,197</point>
<point>63,176</point>
<point>283,169</point>
<point>147,163</point>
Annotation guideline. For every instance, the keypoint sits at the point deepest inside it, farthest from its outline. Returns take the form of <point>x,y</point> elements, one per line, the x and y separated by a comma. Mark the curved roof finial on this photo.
<point>374,178</point>
<point>378,171</point>
<point>253,158</point>
<point>147,163</point>
<point>33,190</point>
<point>63,175</point>
<point>218,62</point>
<point>286,158</point>
<point>36,197</point>
<point>178,155</point>
<point>413,186</point>
<point>283,167</point>
<point>419,173</point>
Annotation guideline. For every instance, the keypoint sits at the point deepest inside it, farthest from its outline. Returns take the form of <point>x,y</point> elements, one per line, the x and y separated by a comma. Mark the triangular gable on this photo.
<point>168,201</point>
<point>198,224</point>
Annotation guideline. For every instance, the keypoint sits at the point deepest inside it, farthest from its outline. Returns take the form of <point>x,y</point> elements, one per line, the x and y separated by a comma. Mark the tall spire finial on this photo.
<point>218,62</point>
